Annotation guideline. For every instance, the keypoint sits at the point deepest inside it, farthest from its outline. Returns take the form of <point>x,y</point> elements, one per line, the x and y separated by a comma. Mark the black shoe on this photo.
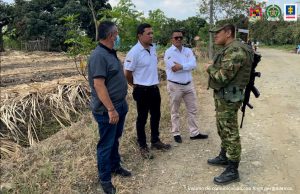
<point>199,136</point>
<point>178,139</point>
<point>231,174</point>
<point>108,188</point>
<point>160,146</point>
<point>145,153</point>
<point>220,160</point>
<point>122,172</point>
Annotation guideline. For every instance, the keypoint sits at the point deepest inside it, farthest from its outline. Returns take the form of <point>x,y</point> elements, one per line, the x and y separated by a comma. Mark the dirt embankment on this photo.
<point>22,68</point>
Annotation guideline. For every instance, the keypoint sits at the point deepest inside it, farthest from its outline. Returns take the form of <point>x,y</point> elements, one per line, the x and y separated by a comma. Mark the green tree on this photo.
<point>127,18</point>
<point>192,25</point>
<point>5,15</point>
<point>276,33</point>
<point>225,9</point>
<point>158,21</point>
<point>79,44</point>
<point>41,19</point>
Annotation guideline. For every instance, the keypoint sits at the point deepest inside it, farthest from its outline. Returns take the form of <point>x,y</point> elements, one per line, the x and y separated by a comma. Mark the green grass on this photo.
<point>11,43</point>
<point>287,47</point>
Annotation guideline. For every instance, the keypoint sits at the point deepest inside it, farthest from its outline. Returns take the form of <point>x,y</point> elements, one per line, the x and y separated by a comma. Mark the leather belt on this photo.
<point>184,84</point>
<point>141,86</point>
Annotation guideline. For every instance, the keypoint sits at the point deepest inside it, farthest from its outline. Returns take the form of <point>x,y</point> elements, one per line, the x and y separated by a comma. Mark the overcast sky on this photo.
<point>179,9</point>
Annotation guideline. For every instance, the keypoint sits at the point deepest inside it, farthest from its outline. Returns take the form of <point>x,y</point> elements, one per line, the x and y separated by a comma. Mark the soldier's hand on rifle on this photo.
<point>206,66</point>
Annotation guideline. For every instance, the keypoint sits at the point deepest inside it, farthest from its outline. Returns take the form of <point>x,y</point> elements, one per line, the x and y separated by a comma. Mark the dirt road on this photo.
<point>270,139</point>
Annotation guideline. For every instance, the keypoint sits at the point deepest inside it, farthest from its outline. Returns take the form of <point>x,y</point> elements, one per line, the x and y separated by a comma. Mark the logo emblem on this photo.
<point>255,13</point>
<point>273,13</point>
<point>290,12</point>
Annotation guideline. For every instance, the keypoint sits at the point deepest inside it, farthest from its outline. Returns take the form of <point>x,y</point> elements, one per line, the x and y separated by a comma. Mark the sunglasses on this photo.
<point>178,37</point>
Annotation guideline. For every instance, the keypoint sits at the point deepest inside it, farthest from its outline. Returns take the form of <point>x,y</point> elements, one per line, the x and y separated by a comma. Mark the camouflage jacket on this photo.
<point>231,70</point>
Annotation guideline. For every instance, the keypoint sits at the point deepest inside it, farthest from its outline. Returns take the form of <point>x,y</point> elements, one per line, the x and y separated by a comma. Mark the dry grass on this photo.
<point>24,118</point>
<point>66,162</point>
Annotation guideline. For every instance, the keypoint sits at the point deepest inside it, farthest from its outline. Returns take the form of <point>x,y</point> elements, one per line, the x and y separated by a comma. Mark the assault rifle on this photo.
<point>250,86</point>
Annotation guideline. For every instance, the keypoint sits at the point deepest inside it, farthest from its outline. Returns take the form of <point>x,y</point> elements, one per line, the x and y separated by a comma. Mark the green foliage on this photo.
<point>77,40</point>
<point>10,43</point>
<point>225,9</point>
<point>5,13</point>
<point>158,21</point>
<point>276,33</point>
<point>203,33</point>
<point>191,26</point>
<point>38,19</point>
<point>287,47</point>
<point>127,19</point>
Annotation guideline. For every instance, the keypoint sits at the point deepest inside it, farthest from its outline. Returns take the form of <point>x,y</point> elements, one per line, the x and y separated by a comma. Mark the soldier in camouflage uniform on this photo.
<point>228,76</point>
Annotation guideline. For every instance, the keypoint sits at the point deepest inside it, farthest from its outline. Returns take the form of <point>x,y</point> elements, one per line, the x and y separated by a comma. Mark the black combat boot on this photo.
<point>231,174</point>
<point>220,160</point>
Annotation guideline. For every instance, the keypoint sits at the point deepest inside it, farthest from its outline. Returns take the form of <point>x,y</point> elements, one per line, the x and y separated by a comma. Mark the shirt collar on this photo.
<point>112,51</point>
<point>176,49</point>
<point>140,46</point>
<point>108,49</point>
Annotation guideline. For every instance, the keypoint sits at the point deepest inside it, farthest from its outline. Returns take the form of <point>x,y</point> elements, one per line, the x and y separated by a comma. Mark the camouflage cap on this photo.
<point>218,27</point>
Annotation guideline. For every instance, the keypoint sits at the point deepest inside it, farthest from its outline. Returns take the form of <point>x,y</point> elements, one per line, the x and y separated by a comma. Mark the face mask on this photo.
<point>117,42</point>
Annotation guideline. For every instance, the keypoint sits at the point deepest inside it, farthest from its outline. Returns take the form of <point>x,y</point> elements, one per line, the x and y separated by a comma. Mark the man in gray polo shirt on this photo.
<point>108,103</point>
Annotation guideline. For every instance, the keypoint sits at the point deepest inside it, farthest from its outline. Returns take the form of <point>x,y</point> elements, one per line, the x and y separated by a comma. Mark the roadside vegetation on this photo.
<point>287,47</point>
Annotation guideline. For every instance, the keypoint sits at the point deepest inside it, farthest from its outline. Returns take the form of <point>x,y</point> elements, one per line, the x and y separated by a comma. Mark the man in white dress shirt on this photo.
<point>141,73</point>
<point>180,61</point>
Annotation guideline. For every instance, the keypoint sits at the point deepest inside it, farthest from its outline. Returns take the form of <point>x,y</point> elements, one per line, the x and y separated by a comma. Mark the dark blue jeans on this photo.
<point>108,157</point>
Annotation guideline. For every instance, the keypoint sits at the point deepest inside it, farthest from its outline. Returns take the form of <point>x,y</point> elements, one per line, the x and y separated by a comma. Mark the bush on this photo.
<point>12,44</point>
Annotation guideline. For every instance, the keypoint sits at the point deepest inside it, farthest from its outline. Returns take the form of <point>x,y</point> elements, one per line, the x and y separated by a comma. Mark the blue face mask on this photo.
<point>117,42</point>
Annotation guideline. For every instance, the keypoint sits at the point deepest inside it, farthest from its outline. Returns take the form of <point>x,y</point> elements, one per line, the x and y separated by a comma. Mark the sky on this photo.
<point>180,9</point>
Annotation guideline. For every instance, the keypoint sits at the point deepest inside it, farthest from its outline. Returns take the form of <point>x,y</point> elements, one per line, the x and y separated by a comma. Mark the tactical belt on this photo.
<point>232,94</point>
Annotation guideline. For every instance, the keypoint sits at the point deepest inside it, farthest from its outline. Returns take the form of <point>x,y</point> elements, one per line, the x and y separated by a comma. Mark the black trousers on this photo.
<point>147,100</point>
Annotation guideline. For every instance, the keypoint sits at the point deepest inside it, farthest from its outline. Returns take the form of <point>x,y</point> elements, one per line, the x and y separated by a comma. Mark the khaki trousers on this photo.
<point>187,93</point>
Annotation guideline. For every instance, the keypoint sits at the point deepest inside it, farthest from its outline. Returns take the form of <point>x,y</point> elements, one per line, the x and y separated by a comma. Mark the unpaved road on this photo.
<point>270,139</point>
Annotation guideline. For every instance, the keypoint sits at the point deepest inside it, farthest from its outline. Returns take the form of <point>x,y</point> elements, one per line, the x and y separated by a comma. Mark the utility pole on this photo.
<point>211,22</point>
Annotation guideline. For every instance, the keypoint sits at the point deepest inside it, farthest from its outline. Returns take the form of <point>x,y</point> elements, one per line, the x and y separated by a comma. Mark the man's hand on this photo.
<point>129,77</point>
<point>113,117</point>
<point>176,67</point>
<point>207,65</point>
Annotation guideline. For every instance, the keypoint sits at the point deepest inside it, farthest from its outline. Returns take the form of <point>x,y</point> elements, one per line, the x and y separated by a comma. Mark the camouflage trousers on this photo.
<point>228,130</point>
